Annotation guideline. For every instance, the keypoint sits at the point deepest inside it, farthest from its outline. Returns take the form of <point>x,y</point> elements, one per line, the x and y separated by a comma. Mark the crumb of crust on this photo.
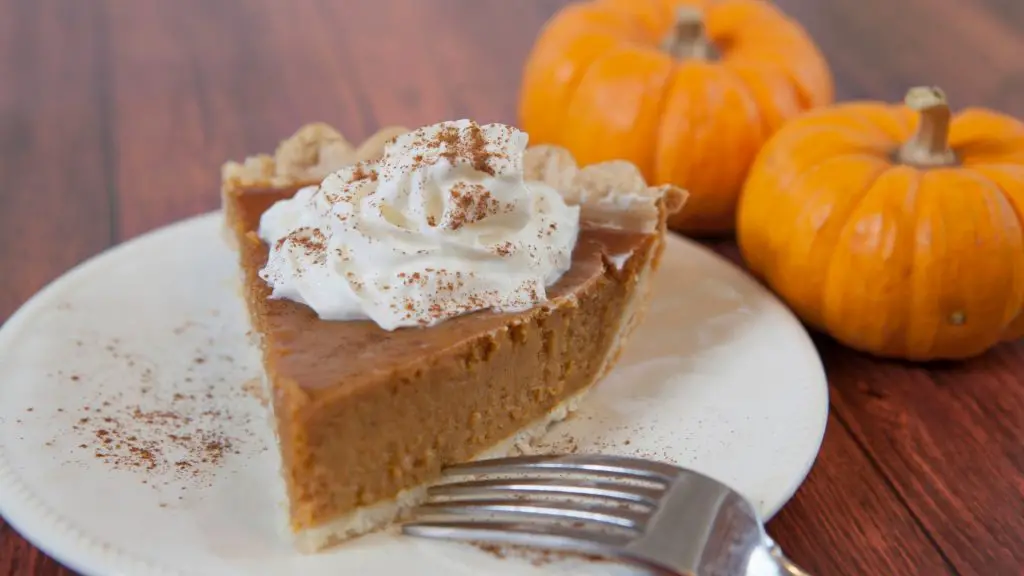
<point>313,151</point>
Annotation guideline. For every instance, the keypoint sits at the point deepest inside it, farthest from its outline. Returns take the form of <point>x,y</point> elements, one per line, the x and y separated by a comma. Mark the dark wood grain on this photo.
<point>55,145</point>
<point>949,439</point>
<point>845,520</point>
<point>115,115</point>
<point>55,180</point>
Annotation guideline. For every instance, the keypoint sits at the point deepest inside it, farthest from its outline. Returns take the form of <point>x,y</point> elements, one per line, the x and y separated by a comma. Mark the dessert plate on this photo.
<point>133,439</point>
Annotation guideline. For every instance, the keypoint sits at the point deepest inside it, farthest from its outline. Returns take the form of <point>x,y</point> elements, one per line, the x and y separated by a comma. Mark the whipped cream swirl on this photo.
<point>442,225</point>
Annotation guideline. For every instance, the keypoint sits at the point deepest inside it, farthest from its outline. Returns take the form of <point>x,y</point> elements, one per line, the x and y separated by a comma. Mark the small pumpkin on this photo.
<point>686,90</point>
<point>898,230</point>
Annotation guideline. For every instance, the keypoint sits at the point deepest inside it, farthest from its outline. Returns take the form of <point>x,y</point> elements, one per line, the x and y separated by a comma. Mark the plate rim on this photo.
<point>89,555</point>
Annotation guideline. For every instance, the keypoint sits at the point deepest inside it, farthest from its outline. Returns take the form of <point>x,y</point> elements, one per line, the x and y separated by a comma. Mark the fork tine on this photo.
<point>519,487</point>
<point>533,509</point>
<point>610,466</point>
<point>533,535</point>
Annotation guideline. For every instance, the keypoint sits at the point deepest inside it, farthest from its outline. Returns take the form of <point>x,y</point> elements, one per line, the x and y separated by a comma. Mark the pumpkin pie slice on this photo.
<point>367,417</point>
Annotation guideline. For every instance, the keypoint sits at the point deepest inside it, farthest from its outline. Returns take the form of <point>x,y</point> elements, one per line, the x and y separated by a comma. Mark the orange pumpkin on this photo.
<point>687,90</point>
<point>896,229</point>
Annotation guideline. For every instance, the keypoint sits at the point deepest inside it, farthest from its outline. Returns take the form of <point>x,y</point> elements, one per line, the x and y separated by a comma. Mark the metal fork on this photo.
<point>650,514</point>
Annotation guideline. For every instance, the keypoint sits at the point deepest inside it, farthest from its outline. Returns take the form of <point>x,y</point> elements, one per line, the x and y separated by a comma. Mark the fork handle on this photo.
<point>787,566</point>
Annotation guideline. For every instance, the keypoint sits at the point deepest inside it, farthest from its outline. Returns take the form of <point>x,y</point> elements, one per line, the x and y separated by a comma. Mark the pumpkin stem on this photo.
<point>929,146</point>
<point>688,38</point>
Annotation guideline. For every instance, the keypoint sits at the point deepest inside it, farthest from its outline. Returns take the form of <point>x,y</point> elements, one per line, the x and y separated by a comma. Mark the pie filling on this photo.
<point>385,512</point>
<point>367,411</point>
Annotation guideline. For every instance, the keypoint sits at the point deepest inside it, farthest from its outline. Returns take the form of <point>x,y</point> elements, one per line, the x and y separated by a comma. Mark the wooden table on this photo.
<point>115,115</point>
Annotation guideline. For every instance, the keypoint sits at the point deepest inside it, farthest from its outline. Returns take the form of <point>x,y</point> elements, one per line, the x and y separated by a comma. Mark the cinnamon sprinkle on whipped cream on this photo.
<point>442,225</point>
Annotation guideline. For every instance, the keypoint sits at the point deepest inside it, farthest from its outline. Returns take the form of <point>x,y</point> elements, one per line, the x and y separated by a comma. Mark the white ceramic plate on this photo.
<point>145,347</point>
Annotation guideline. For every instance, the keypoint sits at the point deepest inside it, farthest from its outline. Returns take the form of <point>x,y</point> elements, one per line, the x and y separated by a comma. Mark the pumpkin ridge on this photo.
<point>595,146</point>
<point>809,132</point>
<point>809,203</point>
<point>562,34</point>
<point>859,118</point>
<point>980,151</point>
<point>759,116</point>
<point>770,89</point>
<point>901,343</point>
<point>991,155</point>
<point>760,266</point>
<point>571,87</point>
<point>812,83</point>
<point>916,269</point>
<point>1017,206</point>
<point>886,122</point>
<point>972,125</point>
<point>718,148</point>
<point>663,103</point>
<point>834,120</point>
<point>669,170</point>
<point>980,137</point>
<point>745,141</point>
<point>783,177</point>
<point>965,306</point>
<point>860,197</point>
<point>839,315</point>
<point>810,96</point>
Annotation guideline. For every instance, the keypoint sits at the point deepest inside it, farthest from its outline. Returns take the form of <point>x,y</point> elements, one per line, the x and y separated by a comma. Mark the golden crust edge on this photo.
<point>612,193</point>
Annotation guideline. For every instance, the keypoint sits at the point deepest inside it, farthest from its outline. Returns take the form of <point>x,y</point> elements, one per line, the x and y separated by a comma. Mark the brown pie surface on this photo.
<point>366,417</point>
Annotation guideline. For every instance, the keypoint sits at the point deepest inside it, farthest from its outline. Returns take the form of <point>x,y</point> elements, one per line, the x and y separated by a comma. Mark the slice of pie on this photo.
<point>366,417</point>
